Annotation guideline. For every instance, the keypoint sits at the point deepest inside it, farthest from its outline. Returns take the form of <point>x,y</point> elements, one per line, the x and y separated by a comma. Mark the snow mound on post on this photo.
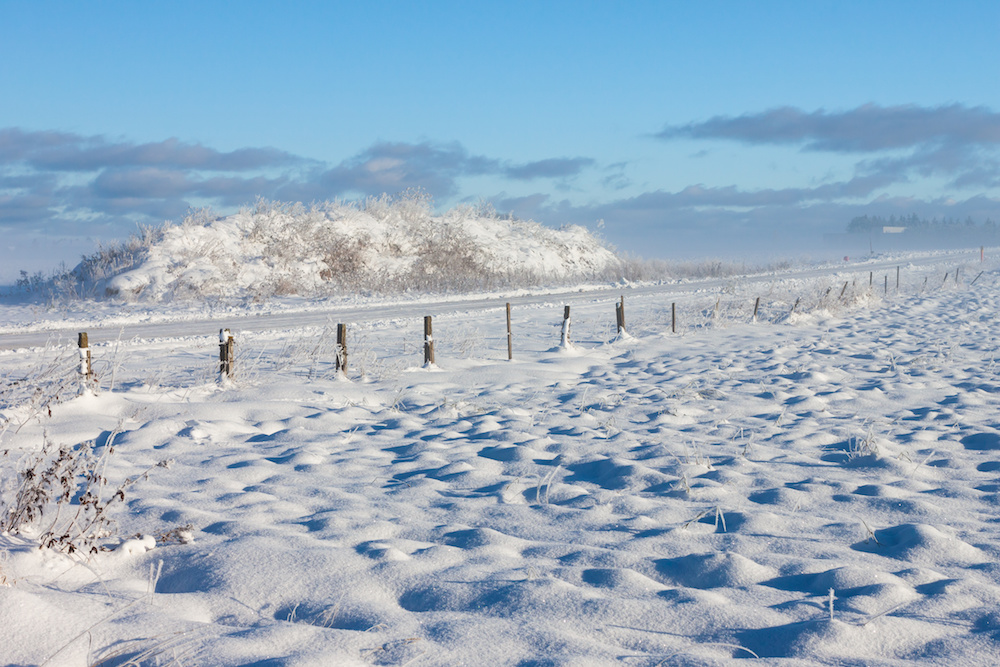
<point>384,244</point>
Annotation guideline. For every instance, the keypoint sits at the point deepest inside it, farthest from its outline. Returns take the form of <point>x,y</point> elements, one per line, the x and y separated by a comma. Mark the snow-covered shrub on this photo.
<point>382,244</point>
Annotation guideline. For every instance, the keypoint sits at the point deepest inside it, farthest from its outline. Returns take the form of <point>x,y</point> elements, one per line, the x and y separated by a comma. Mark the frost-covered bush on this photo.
<point>381,244</point>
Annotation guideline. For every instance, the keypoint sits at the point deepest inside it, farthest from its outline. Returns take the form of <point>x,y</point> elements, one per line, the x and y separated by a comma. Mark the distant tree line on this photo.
<point>913,223</point>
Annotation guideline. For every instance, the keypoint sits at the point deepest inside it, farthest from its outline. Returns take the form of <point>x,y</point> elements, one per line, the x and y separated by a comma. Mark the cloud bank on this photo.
<point>939,161</point>
<point>65,180</point>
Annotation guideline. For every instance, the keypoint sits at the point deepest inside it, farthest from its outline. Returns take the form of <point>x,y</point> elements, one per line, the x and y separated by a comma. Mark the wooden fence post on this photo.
<point>976,278</point>
<point>673,317</point>
<point>897,278</point>
<point>86,369</point>
<point>843,290</point>
<point>756,305</point>
<point>428,341</point>
<point>620,316</point>
<point>564,340</point>
<point>342,348</point>
<point>887,284</point>
<point>226,354</point>
<point>871,276</point>
<point>510,337</point>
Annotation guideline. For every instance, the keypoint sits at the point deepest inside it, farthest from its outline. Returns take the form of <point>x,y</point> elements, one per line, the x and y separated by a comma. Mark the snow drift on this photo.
<point>384,244</point>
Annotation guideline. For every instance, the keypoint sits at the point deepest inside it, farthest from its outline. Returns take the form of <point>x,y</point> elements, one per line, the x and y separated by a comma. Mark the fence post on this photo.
<point>620,316</point>
<point>428,341</point>
<point>871,276</point>
<point>510,337</point>
<point>887,284</point>
<point>564,340</point>
<point>794,306</point>
<point>226,354</point>
<point>756,305</point>
<point>843,290</point>
<point>673,317</point>
<point>342,348</point>
<point>897,278</point>
<point>86,369</point>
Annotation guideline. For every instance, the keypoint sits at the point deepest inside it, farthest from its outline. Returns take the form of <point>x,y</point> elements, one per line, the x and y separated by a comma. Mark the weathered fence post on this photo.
<point>956,274</point>
<point>871,276</point>
<point>897,278</point>
<point>887,284</point>
<point>86,369</point>
<point>428,341</point>
<point>564,340</point>
<point>843,290</point>
<point>226,353</point>
<point>673,317</point>
<point>945,281</point>
<point>620,316</point>
<point>756,306</point>
<point>342,348</point>
<point>510,337</point>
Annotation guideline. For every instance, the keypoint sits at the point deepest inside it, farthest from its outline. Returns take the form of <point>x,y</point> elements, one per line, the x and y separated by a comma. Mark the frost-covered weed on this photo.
<point>61,497</point>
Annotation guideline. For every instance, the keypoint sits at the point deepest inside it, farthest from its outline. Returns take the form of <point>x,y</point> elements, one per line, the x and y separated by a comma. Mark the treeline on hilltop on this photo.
<point>913,223</point>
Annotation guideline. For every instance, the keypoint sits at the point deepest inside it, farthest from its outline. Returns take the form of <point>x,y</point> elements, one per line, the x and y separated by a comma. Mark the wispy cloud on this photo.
<point>61,151</point>
<point>551,168</point>
<point>868,128</point>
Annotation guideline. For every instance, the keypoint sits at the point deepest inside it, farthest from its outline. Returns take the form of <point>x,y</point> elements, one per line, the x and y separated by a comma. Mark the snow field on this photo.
<point>652,500</point>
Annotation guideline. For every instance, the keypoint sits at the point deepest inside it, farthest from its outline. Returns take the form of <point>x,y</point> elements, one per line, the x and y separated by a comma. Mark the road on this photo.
<point>279,321</point>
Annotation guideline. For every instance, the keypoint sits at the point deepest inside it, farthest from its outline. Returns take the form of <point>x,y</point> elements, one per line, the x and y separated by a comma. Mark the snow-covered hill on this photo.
<point>385,244</point>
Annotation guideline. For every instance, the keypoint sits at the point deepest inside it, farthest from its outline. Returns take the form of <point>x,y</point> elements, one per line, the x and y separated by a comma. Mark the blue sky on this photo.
<point>680,125</point>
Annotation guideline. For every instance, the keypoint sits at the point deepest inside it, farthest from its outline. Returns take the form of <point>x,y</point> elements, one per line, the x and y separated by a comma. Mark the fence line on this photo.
<point>227,341</point>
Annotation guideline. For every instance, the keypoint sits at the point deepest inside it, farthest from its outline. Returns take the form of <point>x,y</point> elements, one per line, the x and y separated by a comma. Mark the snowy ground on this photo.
<point>655,499</point>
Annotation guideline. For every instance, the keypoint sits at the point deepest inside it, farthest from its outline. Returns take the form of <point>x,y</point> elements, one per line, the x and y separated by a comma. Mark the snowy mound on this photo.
<point>381,245</point>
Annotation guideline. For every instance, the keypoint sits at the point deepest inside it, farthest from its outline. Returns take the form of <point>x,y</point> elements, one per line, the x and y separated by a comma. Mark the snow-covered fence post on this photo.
<point>86,369</point>
<point>510,339</point>
<point>897,278</point>
<point>956,275</point>
<point>756,306</point>
<point>342,348</point>
<point>227,348</point>
<point>564,340</point>
<point>673,317</point>
<point>428,341</point>
<point>871,277</point>
<point>620,316</point>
